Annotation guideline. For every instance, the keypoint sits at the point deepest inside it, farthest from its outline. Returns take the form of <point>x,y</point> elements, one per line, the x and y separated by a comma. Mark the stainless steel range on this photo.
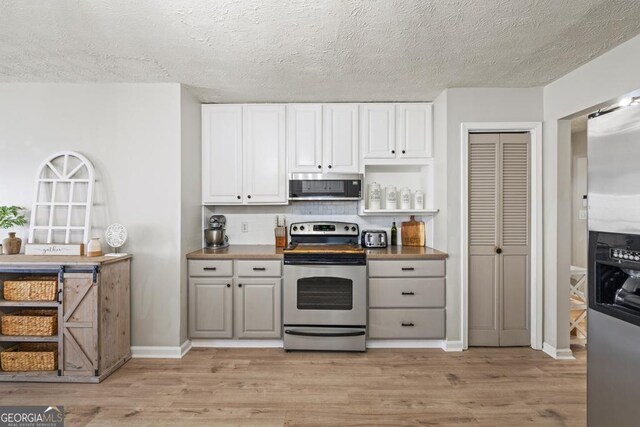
<point>325,288</point>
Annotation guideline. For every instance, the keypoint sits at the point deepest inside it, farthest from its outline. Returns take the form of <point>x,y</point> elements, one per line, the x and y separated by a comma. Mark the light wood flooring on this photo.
<point>268,387</point>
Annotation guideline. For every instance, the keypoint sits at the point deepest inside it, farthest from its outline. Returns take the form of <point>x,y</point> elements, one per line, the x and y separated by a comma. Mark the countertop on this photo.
<point>271,252</point>
<point>238,252</point>
<point>70,260</point>
<point>406,252</point>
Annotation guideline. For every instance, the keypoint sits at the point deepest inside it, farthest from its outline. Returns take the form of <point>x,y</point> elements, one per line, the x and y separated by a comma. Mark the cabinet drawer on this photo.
<point>418,293</point>
<point>259,268</point>
<point>417,323</point>
<point>201,268</point>
<point>408,268</point>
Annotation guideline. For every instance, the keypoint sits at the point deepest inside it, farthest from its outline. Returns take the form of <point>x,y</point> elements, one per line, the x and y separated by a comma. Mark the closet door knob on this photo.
<point>498,251</point>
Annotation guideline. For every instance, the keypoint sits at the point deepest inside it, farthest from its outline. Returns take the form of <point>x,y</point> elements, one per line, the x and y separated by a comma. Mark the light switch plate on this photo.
<point>244,227</point>
<point>582,214</point>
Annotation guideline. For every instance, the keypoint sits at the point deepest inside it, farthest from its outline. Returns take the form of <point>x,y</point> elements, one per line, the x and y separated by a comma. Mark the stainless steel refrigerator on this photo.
<point>613,322</point>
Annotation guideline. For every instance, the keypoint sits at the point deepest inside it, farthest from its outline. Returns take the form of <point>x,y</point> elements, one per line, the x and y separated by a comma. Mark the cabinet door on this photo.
<point>79,319</point>
<point>340,138</point>
<point>414,130</point>
<point>210,308</point>
<point>304,137</point>
<point>222,154</point>
<point>378,131</point>
<point>264,149</point>
<point>258,305</point>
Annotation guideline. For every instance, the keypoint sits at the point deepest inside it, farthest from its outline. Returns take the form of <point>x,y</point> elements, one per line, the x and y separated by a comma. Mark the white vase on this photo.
<point>94,248</point>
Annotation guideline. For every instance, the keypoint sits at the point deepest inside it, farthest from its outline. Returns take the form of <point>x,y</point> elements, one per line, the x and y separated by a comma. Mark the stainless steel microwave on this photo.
<point>317,186</point>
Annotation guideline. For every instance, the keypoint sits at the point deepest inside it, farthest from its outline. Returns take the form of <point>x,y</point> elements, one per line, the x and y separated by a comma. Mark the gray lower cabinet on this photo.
<point>407,299</point>
<point>257,308</point>
<point>210,307</point>
<point>243,304</point>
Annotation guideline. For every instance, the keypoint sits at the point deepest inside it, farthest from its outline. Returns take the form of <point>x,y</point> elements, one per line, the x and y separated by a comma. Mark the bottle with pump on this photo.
<point>394,234</point>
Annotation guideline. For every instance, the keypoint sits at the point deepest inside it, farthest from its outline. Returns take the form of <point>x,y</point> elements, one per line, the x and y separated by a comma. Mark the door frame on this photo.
<point>535,129</point>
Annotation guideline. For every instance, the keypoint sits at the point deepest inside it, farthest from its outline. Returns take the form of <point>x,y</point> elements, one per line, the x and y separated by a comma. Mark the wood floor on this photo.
<point>268,387</point>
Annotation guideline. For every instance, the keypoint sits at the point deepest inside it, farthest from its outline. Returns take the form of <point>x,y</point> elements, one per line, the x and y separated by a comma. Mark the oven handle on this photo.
<point>329,334</point>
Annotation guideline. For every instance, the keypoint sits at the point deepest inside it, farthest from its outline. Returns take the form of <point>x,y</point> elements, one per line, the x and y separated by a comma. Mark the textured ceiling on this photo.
<point>309,50</point>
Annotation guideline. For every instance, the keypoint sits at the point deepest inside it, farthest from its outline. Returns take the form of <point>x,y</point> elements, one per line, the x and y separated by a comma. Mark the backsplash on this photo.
<point>260,220</point>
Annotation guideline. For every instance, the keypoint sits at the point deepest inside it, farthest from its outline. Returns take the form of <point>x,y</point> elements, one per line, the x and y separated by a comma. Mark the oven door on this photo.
<point>325,295</point>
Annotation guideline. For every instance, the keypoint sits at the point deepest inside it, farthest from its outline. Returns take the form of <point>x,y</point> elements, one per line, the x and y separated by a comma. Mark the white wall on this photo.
<point>190,193</point>
<point>579,229</point>
<point>607,77</point>
<point>131,133</point>
<point>474,105</point>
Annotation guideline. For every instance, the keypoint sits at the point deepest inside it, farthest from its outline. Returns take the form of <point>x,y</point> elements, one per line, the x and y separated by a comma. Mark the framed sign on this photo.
<point>53,249</point>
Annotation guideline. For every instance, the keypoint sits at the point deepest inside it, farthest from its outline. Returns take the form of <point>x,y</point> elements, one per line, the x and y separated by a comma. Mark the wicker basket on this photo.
<point>31,289</point>
<point>30,357</point>
<point>41,323</point>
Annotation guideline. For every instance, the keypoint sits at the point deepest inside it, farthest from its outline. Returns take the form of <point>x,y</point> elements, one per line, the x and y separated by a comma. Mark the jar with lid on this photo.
<point>374,196</point>
<point>405,198</point>
<point>391,197</point>
<point>418,200</point>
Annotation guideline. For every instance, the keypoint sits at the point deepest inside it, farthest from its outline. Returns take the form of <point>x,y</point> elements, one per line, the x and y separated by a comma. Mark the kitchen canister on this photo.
<point>391,197</point>
<point>418,200</point>
<point>405,198</point>
<point>374,196</point>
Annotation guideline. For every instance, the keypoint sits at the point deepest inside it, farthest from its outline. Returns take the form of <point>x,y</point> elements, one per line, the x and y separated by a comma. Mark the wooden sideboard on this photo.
<point>93,309</point>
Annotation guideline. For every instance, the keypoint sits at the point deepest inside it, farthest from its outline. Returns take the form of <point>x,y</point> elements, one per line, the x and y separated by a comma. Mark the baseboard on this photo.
<point>209,343</point>
<point>558,354</point>
<point>452,346</point>
<point>185,347</point>
<point>160,352</point>
<point>405,344</point>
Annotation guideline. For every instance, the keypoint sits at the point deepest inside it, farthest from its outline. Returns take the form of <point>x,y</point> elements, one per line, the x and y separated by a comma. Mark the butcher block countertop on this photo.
<point>238,252</point>
<point>405,252</point>
<point>271,252</point>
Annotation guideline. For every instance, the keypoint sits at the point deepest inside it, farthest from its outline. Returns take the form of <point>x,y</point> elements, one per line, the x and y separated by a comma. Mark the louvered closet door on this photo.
<point>484,322</point>
<point>499,240</point>
<point>514,221</point>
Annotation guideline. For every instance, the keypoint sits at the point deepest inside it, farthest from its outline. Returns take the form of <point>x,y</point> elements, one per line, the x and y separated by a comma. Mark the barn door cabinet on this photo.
<point>93,309</point>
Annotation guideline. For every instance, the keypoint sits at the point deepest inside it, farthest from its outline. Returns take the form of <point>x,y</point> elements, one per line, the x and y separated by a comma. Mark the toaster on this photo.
<point>374,239</point>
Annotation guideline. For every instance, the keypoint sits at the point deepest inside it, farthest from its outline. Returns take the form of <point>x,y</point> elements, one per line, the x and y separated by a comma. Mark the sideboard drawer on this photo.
<point>202,268</point>
<point>259,268</point>
<point>417,293</point>
<point>408,268</point>
<point>416,323</point>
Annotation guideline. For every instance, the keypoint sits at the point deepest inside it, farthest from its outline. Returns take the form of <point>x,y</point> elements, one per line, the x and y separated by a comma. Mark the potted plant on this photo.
<point>11,216</point>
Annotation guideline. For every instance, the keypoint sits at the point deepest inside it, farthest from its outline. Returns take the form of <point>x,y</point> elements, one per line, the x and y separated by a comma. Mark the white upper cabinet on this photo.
<point>414,131</point>
<point>340,136</point>
<point>243,154</point>
<point>304,137</point>
<point>264,148</point>
<point>378,131</point>
<point>222,154</point>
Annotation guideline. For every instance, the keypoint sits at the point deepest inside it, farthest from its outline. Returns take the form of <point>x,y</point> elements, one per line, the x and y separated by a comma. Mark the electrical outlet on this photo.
<point>244,227</point>
<point>582,214</point>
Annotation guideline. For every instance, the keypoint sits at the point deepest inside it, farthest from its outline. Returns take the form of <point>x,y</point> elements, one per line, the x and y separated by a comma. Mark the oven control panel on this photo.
<point>624,255</point>
<point>324,229</point>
